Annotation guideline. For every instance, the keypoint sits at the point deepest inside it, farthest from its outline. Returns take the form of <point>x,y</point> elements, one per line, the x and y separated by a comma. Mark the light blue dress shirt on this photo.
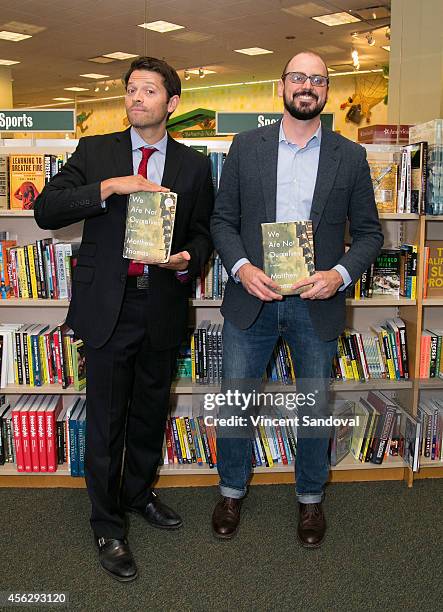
<point>156,163</point>
<point>297,169</point>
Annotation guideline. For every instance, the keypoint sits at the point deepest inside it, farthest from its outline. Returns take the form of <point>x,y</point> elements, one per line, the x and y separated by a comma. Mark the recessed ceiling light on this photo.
<point>63,99</point>
<point>120,55</point>
<point>336,19</point>
<point>13,36</point>
<point>161,26</point>
<point>253,51</point>
<point>8,62</point>
<point>387,47</point>
<point>101,60</point>
<point>76,88</point>
<point>198,71</point>
<point>94,75</point>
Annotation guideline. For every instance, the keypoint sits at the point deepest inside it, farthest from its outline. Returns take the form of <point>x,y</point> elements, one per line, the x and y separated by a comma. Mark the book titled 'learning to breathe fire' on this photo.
<point>288,253</point>
<point>149,226</point>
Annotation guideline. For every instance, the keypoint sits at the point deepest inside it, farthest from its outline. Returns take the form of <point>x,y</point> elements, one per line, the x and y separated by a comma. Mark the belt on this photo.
<point>137,282</point>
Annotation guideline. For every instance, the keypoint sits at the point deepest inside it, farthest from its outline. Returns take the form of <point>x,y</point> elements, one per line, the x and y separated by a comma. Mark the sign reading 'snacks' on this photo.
<point>30,120</point>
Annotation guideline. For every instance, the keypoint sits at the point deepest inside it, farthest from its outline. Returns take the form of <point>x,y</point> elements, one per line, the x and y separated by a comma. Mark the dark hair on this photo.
<point>305,53</point>
<point>171,79</point>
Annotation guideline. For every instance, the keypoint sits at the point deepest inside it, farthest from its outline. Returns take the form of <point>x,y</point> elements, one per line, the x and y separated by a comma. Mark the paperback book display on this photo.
<point>288,254</point>
<point>38,433</point>
<point>149,226</point>
<point>433,280</point>
<point>41,270</point>
<point>36,354</point>
<point>23,176</point>
<point>394,273</point>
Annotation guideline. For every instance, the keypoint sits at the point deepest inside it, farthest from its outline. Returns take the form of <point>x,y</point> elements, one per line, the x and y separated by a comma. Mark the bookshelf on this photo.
<point>361,313</point>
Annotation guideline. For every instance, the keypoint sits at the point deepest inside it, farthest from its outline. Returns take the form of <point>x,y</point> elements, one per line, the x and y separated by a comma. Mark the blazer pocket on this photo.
<point>88,249</point>
<point>83,274</point>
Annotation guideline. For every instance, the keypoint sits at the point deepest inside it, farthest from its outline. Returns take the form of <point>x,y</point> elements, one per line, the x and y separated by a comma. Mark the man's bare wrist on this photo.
<point>106,188</point>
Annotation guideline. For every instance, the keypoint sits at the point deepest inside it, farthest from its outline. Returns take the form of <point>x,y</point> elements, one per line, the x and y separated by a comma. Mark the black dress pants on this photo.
<point>128,388</point>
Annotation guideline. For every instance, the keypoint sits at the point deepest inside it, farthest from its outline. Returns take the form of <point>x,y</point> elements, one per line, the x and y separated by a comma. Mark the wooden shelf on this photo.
<point>381,301</point>
<point>433,301</point>
<point>185,386</point>
<point>430,383</point>
<point>16,213</point>
<point>434,217</point>
<point>33,303</point>
<point>425,462</point>
<point>399,216</point>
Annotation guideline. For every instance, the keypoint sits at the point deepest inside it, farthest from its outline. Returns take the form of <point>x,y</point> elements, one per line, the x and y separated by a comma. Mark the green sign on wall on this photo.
<point>30,120</point>
<point>233,123</point>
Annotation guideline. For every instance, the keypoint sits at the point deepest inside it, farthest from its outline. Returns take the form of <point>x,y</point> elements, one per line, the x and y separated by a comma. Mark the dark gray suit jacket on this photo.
<point>247,198</point>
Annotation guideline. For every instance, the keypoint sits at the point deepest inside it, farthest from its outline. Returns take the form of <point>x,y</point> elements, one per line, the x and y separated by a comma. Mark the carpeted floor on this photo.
<point>383,552</point>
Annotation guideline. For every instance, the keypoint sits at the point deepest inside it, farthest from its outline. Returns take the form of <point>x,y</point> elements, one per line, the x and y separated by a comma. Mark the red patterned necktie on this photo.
<point>135,267</point>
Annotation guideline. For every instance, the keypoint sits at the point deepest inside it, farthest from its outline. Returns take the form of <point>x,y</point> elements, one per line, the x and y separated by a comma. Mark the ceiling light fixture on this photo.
<point>76,88</point>
<point>8,62</point>
<point>387,47</point>
<point>107,88</point>
<point>201,73</point>
<point>120,55</point>
<point>355,59</point>
<point>95,75</point>
<point>336,19</point>
<point>161,26</point>
<point>253,51</point>
<point>96,89</point>
<point>13,36</point>
<point>186,74</point>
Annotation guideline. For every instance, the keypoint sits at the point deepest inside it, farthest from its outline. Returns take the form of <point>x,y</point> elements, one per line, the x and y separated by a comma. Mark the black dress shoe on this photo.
<point>311,525</point>
<point>226,518</point>
<point>116,559</point>
<point>158,514</point>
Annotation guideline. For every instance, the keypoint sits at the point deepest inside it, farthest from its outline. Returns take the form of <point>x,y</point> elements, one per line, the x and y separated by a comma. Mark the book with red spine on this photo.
<point>24,429</point>
<point>281,445</point>
<point>41,434</point>
<point>51,413</point>
<point>19,460</point>
<point>33,434</point>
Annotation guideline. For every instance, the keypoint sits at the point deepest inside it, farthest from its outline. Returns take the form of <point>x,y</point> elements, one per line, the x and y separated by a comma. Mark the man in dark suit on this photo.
<point>131,317</point>
<point>291,171</point>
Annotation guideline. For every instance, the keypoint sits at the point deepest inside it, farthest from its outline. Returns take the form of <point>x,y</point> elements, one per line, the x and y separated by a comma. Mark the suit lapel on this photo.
<point>123,154</point>
<point>267,154</point>
<point>172,163</point>
<point>327,169</point>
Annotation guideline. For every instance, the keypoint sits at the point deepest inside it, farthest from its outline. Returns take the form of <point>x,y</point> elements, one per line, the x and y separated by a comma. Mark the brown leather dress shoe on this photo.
<point>226,518</point>
<point>311,525</point>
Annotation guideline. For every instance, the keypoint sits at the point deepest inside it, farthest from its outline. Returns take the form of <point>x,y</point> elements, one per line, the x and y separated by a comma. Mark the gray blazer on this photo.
<point>247,198</point>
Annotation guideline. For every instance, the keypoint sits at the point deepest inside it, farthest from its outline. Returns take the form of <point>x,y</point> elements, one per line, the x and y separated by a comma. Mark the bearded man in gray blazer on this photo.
<point>292,170</point>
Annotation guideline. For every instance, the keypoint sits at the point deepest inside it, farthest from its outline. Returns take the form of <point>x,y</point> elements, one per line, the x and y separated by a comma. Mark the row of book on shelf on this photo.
<point>40,433</point>
<point>36,354</point>
<point>411,182</point>
<point>23,176</point>
<point>43,269</point>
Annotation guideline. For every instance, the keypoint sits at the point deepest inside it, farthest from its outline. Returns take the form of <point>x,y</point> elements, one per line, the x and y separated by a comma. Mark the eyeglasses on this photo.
<point>299,78</point>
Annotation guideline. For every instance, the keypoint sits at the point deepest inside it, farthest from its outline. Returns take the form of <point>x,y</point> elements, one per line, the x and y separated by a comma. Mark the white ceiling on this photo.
<point>76,30</point>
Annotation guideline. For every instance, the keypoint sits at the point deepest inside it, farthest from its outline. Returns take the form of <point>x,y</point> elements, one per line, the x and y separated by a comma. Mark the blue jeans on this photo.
<point>246,354</point>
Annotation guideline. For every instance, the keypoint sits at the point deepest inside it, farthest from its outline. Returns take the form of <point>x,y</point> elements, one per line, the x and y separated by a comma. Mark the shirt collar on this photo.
<point>138,142</point>
<point>315,139</point>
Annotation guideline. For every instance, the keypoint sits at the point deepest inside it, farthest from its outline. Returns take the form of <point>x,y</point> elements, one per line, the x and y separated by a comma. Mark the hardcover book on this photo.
<point>149,226</point>
<point>434,268</point>
<point>384,182</point>
<point>288,253</point>
<point>387,273</point>
<point>27,179</point>
<point>79,364</point>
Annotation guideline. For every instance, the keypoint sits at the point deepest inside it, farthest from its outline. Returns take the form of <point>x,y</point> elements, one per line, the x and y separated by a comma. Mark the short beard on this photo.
<point>303,114</point>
